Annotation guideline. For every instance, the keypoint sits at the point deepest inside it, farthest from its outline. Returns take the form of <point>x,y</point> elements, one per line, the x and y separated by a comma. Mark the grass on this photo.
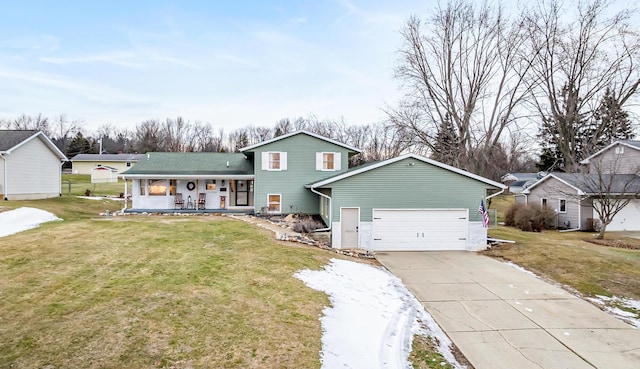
<point>158,292</point>
<point>78,184</point>
<point>570,260</point>
<point>149,292</point>
<point>425,356</point>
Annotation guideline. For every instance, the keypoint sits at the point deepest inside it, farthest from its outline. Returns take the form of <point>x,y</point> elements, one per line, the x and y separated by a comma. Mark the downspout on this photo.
<point>330,209</point>
<point>4,185</point>
<point>60,175</point>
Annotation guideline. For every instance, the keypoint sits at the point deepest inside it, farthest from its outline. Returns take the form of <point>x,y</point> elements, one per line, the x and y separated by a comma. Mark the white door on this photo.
<point>420,229</point>
<point>349,221</point>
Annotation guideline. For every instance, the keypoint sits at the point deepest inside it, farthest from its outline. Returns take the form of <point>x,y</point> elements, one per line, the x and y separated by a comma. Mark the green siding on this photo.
<point>301,170</point>
<point>401,185</point>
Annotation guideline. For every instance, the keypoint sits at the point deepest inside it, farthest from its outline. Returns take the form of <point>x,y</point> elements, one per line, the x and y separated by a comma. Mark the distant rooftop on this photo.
<point>107,157</point>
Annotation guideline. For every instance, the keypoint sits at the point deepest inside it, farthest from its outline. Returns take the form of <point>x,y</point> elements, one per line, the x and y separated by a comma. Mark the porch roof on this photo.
<point>179,164</point>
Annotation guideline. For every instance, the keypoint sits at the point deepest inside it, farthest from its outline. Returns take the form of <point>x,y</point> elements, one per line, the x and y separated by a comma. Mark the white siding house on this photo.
<point>29,165</point>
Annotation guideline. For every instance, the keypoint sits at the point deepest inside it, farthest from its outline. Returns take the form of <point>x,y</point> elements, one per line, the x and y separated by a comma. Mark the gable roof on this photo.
<point>367,167</point>
<point>107,157</point>
<point>200,164</point>
<point>590,184</point>
<point>11,139</point>
<point>251,147</point>
<point>634,144</point>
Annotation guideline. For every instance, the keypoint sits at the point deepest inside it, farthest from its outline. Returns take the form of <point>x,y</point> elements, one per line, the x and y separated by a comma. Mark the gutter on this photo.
<point>4,185</point>
<point>126,189</point>
<point>496,194</point>
<point>330,210</point>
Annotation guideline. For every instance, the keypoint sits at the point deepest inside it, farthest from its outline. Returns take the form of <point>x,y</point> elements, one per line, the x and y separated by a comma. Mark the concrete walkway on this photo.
<point>502,317</point>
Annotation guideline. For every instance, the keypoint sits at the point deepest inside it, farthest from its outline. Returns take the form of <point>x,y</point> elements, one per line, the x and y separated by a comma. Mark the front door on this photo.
<point>349,221</point>
<point>242,192</point>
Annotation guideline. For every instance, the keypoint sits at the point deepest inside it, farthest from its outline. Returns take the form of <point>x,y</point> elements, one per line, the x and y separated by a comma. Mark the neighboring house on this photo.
<point>517,182</point>
<point>84,163</point>
<point>615,169</point>
<point>405,203</point>
<point>30,165</point>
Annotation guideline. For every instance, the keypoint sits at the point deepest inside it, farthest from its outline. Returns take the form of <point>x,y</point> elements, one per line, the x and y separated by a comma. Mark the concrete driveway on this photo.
<point>502,317</point>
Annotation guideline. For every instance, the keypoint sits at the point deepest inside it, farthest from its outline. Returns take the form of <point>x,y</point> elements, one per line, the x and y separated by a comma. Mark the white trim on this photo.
<point>274,212</point>
<point>320,161</point>
<point>282,161</point>
<point>528,190</point>
<point>188,176</point>
<point>47,142</point>
<point>406,156</point>
<point>251,147</point>
<point>587,160</point>
<point>560,200</point>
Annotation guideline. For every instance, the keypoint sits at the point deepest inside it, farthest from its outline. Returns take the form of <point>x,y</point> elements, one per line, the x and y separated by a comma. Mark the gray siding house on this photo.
<point>30,165</point>
<point>405,203</point>
<point>612,171</point>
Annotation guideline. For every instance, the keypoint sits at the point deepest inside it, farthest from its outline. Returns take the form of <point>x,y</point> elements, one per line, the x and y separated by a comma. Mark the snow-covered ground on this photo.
<point>99,198</point>
<point>372,318</point>
<point>21,219</point>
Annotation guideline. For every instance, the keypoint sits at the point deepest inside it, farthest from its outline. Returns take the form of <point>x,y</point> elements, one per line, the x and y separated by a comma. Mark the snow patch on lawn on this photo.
<point>21,219</point>
<point>613,305</point>
<point>99,198</point>
<point>372,318</point>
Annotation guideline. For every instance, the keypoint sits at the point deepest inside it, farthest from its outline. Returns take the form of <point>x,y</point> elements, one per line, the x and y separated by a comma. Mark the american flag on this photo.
<point>485,214</point>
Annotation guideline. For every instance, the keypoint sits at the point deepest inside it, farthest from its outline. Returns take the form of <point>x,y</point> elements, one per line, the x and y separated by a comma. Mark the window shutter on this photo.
<point>337,161</point>
<point>265,160</point>
<point>283,161</point>
<point>319,158</point>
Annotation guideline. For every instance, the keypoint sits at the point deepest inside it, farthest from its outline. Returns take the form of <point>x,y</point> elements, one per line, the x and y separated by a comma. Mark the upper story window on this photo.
<point>128,163</point>
<point>619,149</point>
<point>543,201</point>
<point>328,161</point>
<point>274,160</point>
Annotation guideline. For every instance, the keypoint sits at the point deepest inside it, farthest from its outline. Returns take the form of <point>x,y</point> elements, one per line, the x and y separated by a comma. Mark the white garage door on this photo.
<point>420,229</point>
<point>628,219</point>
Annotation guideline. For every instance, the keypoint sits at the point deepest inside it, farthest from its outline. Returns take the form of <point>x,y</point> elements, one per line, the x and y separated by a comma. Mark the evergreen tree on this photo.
<point>79,145</point>
<point>446,148</point>
<point>612,120</point>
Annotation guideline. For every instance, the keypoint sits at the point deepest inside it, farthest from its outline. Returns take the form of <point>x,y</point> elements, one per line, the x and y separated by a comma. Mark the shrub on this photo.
<point>534,218</point>
<point>509,215</point>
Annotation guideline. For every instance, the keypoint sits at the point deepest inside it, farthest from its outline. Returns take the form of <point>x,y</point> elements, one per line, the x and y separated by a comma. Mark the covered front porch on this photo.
<point>191,194</point>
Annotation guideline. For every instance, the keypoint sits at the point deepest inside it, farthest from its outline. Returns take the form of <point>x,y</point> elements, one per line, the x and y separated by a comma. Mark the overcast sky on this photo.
<point>230,63</point>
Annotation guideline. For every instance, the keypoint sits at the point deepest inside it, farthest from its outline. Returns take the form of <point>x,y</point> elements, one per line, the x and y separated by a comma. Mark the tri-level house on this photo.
<point>612,171</point>
<point>404,203</point>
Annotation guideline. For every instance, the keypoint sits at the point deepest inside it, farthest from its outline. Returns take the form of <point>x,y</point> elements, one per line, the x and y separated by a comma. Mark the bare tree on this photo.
<point>29,122</point>
<point>577,61</point>
<point>466,64</point>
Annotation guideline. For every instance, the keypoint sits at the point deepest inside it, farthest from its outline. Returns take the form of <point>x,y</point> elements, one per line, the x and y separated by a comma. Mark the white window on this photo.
<point>328,161</point>
<point>274,203</point>
<point>143,187</point>
<point>562,206</point>
<point>543,201</point>
<point>274,160</point>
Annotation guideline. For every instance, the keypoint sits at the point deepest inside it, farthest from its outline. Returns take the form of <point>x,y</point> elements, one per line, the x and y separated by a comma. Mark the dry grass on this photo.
<point>202,292</point>
<point>568,259</point>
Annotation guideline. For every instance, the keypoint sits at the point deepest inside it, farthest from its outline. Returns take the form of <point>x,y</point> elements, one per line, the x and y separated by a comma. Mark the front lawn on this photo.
<point>154,292</point>
<point>570,260</point>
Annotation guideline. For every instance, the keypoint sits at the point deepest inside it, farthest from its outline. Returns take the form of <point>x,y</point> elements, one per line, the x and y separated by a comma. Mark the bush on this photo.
<point>510,214</point>
<point>534,218</point>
